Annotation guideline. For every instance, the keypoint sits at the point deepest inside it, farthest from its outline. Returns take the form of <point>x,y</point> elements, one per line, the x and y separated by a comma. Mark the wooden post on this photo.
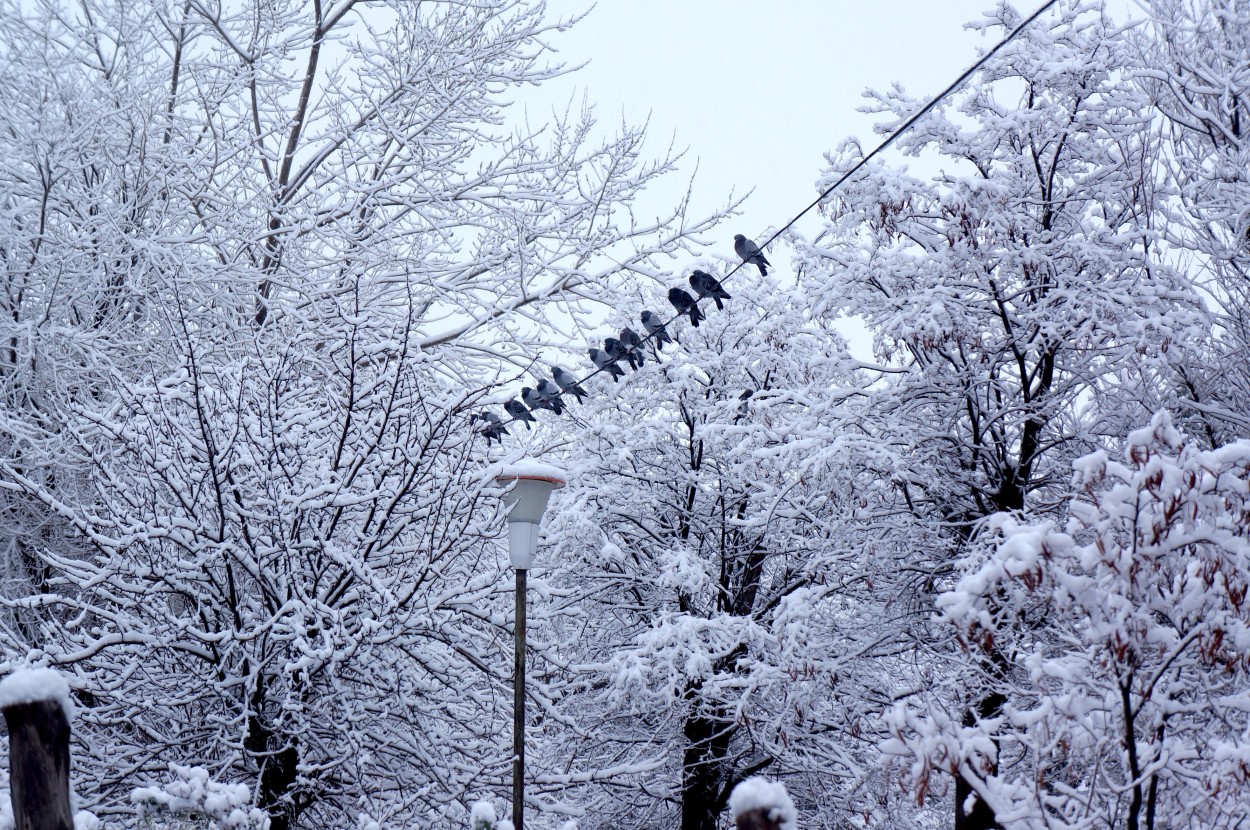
<point>758,819</point>
<point>39,765</point>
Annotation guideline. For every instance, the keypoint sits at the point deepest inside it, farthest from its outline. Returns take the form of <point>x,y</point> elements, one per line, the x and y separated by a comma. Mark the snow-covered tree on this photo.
<point>721,605</point>
<point>1131,629</point>
<point>1193,64</point>
<point>1020,295</point>
<point>259,258</point>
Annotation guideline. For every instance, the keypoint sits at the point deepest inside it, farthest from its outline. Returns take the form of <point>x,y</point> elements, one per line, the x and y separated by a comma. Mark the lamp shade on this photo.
<point>530,486</point>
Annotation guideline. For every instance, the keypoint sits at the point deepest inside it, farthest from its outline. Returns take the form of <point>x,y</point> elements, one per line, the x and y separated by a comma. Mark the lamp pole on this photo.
<point>529,486</point>
<point>518,705</point>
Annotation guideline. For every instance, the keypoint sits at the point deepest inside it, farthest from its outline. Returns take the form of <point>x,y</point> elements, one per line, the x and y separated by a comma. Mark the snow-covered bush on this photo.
<point>194,798</point>
<point>1123,643</point>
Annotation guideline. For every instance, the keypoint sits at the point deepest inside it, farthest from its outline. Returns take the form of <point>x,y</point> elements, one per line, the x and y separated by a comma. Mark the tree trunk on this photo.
<point>981,816</point>
<point>703,792</point>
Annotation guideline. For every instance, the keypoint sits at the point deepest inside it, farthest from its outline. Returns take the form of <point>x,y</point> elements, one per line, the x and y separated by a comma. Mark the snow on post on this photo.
<point>32,685</point>
<point>758,804</point>
<point>36,708</point>
<point>482,817</point>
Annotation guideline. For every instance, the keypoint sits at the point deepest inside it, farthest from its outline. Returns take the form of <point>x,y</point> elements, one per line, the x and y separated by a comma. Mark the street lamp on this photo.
<point>530,484</point>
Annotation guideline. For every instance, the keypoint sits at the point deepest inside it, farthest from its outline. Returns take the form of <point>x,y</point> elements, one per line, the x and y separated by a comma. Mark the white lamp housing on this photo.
<point>530,486</point>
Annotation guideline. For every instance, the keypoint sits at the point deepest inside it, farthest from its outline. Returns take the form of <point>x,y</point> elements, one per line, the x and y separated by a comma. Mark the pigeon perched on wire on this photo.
<point>655,327</point>
<point>550,393</point>
<point>633,348</point>
<point>535,401</point>
<point>494,429</point>
<point>614,348</point>
<point>750,253</point>
<point>607,363</point>
<point>706,285</point>
<point>518,412</point>
<point>685,304</point>
<point>568,384</point>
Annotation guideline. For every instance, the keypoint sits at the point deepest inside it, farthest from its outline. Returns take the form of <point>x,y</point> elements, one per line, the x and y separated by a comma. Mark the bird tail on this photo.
<point>763,267</point>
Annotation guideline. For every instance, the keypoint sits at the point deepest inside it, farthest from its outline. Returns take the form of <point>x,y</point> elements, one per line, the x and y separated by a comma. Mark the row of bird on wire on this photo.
<point>627,348</point>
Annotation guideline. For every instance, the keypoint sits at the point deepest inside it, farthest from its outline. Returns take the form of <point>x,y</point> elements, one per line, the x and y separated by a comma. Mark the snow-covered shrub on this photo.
<point>1123,649</point>
<point>194,799</point>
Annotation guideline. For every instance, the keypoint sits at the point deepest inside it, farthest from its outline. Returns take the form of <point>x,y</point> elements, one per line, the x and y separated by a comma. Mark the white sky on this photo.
<point>758,91</point>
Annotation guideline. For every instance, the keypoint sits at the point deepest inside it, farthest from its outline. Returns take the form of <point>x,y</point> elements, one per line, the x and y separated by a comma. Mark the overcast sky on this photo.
<point>758,92</point>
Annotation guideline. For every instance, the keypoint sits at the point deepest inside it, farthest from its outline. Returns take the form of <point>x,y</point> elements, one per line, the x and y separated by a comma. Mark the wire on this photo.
<point>890,139</point>
<point>906,125</point>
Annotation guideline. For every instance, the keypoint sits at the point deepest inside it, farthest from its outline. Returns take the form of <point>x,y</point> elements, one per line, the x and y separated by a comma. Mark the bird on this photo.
<point>685,304</point>
<point>607,363</point>
<point>614,348</point>
<point>568,383</point>
<point>535,401</point>
<point>494,429</point>
<point>655,328</point>
<point>706,285</point>
<point>550,393</point>
<point>518,412</point>
<point>633,347</point>
<point>750,253</point>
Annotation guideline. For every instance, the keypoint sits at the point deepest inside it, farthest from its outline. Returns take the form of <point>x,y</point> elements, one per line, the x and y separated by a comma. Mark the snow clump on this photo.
<point>30,685</point>
<point>770,796</point>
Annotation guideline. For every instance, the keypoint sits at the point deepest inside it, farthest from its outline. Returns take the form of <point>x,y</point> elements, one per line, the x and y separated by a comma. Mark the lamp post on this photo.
<point>530,486</point>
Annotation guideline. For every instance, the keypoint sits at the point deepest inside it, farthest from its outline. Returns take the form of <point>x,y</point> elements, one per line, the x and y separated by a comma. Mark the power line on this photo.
<point>906,125</point>
<point>890,139</point>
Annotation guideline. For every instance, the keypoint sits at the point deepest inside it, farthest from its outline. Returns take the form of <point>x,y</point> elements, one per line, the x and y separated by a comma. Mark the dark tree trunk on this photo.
<point>39,765</point>
<point>704,772</point>
<point>278,759</point>
<point>980,817</point>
